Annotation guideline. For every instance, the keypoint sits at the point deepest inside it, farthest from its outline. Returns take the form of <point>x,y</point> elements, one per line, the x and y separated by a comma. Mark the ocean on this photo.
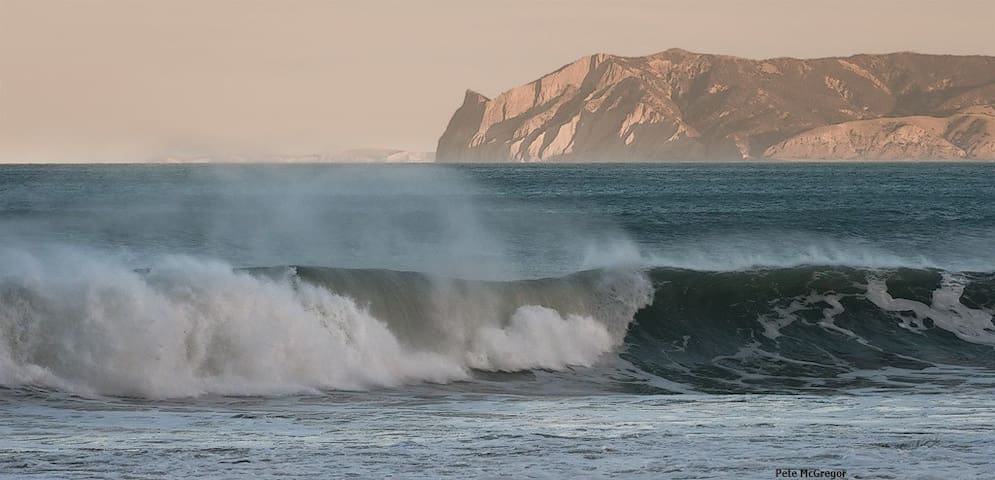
<point>686,321</point>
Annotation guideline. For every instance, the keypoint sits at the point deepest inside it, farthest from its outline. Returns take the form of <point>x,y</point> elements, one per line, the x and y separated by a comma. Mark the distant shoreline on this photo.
<point>668,162</point>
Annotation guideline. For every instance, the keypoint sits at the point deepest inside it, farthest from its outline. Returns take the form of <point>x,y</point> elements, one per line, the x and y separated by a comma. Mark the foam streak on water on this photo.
<point>915,437</point>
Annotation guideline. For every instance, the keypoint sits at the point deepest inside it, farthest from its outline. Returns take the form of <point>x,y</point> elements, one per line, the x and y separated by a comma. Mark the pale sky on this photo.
<point>123,80</point>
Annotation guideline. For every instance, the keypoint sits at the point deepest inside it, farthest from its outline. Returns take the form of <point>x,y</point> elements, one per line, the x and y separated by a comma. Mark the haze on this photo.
<point>135,81</point>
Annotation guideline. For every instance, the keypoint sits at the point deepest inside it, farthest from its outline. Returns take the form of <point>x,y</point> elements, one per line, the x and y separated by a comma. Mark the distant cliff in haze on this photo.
<point>683,106</point>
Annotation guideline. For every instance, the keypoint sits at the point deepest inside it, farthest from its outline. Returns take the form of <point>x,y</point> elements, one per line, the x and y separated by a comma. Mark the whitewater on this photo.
<point>657,321</point>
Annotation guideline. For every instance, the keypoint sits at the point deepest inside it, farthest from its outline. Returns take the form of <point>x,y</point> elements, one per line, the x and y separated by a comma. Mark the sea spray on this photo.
<point>187,327</point>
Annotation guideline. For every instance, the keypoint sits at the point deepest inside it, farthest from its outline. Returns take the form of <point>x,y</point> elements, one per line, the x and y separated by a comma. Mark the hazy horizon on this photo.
<point>120,81</point>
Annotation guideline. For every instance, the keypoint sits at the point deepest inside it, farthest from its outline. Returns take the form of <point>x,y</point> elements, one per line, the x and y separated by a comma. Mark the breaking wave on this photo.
<point>816,328</point>
<point>186,327</point>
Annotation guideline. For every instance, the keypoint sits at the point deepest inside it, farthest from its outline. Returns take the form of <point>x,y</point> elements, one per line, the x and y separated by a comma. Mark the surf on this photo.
<point>94,325</point>
<point>190,327</point>
<point>816,328</point>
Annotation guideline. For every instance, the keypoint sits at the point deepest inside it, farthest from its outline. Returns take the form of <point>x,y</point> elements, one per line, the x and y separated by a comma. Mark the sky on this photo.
<point>122,80</point>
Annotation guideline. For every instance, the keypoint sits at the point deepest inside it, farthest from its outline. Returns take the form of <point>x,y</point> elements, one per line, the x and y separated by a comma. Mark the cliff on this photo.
<point>683,106</point>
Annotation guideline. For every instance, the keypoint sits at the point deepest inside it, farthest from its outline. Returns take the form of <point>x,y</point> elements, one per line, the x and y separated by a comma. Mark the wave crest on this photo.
<point>187,327</point>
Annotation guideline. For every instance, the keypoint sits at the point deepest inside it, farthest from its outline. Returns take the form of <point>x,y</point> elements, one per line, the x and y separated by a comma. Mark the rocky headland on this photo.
<point>682,106</point>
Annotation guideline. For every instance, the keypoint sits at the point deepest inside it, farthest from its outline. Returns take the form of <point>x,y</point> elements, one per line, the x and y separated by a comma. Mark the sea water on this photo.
<point>654,321</point>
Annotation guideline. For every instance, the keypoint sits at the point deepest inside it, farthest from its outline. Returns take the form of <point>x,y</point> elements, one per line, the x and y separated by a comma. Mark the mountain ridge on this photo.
<point>680,105</point>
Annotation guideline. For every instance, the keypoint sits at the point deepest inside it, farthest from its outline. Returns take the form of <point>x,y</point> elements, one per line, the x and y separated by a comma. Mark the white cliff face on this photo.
<point>527,116</point>
<point>678,105</point>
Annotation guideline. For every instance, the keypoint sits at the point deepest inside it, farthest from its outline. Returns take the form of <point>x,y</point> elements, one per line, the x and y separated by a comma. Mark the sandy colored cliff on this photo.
<point>683,106</point>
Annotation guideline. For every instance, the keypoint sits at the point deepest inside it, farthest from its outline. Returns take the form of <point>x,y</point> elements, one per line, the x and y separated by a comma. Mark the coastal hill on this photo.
<point>682,106</point>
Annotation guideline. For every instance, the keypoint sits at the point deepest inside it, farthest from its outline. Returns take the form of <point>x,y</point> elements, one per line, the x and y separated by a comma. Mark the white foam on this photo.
<point>538,337</point>
<point>188,327</point>
<point>945,310</point>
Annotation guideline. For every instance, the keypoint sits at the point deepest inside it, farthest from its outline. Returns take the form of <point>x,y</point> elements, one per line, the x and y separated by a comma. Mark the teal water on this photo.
<point>541,219</point>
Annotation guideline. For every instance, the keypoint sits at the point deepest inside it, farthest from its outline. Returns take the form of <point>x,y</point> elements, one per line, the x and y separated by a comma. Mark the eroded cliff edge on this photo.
<point>683,106</point>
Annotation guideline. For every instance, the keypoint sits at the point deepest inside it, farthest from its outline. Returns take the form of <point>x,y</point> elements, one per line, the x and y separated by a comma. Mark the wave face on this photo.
<point>816,328</point>
<point>186,327</point>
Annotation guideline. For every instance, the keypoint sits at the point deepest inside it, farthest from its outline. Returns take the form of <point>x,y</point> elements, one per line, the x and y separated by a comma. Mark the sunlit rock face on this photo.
<point>683,106</point>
